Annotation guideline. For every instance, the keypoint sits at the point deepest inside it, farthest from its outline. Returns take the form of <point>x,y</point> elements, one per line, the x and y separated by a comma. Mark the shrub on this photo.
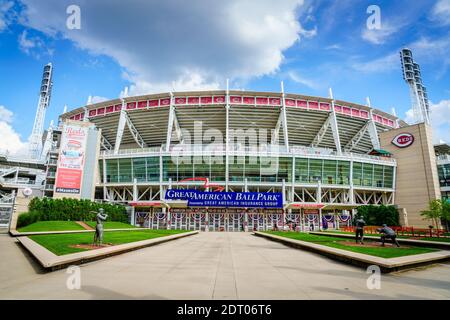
<point>47,209</point>
<point>378,215</point>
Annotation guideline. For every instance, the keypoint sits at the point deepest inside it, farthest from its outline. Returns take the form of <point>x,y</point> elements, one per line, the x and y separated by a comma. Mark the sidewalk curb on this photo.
<point>52,262</point>
<point>416,243</point>
<point>15,233</point>
<point>362,260</point>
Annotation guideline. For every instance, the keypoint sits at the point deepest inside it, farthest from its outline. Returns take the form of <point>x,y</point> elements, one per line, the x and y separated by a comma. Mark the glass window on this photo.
<point>236,169</point>
<point>100,170</point>
<point>367,174</point>
<point>112,171</point>
<point>170,169</point>
<point>125,172</point>
<point>252,169</point>
<point>357,174</point>
<point>343,172</point>
<point>185,168</point>
<point>153,171</point>
<point>444,175</point>
<point>329,172</point>
<point>378,176</point>
<point>315,170</point>
<point>202,169</point>
<point>139,168</point>
<point>388,177</point>
<point>269,169</point>
<point>285,170</point>
<point>301,170</point>
<point>218,170</point>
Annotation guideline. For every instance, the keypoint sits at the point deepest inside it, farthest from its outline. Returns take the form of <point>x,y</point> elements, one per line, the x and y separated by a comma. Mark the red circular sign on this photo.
<point>403,140</point>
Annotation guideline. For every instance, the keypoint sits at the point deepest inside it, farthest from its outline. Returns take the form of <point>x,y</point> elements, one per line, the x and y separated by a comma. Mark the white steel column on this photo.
<point>319,200</point>
<point>245,212</point>
<point>105,189</point>
<point>86,114</point>
<point>351,191</point>
<point>170,124</point>
<point>373,128</point>
<point>284,203</point>
<point>120,127</point>
<point>334,126</point>
<point>285,128</point>
<point>227,136</point>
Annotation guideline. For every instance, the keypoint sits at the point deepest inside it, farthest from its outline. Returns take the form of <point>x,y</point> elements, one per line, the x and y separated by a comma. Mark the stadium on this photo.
<point>322,156</point>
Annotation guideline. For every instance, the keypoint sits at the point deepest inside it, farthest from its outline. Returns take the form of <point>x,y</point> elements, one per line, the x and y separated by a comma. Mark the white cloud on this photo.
<point>425,50</point>
<point>10,141</point>
<point>98,99</point>
<point>33,46</point>
<point>383,64</point>
<point>296,77</point>
<point>440,117</point>
<point>440,120</point>
<point>441,12</point>
<point>6,115</point>
<point>380,36</point>
<point>26,44</point>
<point>4,11</point>
<point>190,45</point>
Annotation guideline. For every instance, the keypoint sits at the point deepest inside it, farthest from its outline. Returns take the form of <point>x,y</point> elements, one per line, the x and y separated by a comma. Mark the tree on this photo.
<point>446,211</point>
<point>434,212</point>
<point>378,215</point>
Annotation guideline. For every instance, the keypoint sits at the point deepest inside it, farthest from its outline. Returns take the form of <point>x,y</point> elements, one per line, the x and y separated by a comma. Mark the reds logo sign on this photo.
<point>403,140</point>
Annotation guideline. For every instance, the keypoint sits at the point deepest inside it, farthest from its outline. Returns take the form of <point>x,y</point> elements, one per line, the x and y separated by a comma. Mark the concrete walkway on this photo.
<point>214,266</point>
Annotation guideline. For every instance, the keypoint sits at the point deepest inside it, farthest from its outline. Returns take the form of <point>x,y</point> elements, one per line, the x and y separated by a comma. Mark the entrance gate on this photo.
<point>217,219</point>
<point>179,219</point>
<point>235,221</point>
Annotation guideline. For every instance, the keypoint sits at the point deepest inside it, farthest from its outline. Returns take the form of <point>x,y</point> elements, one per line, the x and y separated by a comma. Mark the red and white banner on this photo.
<point>71,159</point>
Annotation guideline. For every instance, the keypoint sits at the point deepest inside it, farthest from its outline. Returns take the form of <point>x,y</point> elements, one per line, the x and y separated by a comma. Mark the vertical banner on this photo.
<point>71,159</point>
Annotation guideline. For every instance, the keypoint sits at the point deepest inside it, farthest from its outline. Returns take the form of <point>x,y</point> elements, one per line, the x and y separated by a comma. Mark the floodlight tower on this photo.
<point>418,92</point>
<point>35,148</point>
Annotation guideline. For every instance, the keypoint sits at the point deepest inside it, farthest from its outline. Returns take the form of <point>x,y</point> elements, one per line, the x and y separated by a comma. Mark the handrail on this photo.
<point>245,150</point>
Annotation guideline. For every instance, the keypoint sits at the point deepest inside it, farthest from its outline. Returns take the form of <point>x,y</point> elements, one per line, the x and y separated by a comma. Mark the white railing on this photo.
<point>443,158</point>
<point>153,150</point>
<point>237,150</point>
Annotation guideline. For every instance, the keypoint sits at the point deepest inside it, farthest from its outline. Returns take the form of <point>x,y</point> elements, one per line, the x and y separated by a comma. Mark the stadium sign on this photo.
<point>70,168</point>
<point>403,140</point>
<point>197,198</point>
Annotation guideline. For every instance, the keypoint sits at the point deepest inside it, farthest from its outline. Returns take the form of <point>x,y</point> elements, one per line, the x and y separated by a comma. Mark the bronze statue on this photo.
<point>98,236</point>
<point>388,233</point>
<point>359,230</point>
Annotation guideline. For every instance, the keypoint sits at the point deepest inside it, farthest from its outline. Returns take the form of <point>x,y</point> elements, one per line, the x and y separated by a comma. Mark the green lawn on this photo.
<point>51,226</point>
<point>335,242</point>
<point>111,225</point>
<point>441,239</point>
<point>70,226</point>
<point>60,244</point>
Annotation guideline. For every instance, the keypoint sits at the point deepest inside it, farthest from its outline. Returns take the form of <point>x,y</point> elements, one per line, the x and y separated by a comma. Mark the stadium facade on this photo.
<point>230,160</point>
<point>322,157</point>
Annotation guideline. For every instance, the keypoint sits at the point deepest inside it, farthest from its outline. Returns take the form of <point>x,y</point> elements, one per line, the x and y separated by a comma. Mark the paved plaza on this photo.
<point>214,266</point>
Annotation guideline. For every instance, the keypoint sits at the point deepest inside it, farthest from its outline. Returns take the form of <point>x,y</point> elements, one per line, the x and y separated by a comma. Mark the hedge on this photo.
<point>47,209</point>
<point>379,215</point>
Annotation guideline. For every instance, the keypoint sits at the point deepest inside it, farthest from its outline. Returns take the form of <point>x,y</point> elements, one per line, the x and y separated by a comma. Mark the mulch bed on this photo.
<point>370,244</point>
<point>91,246</point>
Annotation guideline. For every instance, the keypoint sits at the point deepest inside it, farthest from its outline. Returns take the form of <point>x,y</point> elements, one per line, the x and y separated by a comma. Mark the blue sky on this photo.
<point>153,46</point>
